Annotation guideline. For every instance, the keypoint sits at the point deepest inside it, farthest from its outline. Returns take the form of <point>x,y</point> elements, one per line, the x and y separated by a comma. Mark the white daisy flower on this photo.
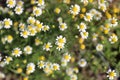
<point>88,17</point>
<point>9,38</point>
<point>69,71</point>
<point>98,15</point>
<point>113,22</point>
<point>73,77</point>
<point>18,10</point>
<point>66,57</point>
<point>30,68</point>
<point>11,3</point>
<point>82,62</point>
<point>82,26</point>
<point>93,11</point>
<point>113,39</point>
<point>102,7</point>
<point>41,64</point>
<point>111,74</point>
<point>7,23</point>
<point>39,25</point>
<point>20,3</point>
<point>47,46</point>
<point>63,63</point>
<point>75,9</point>
<point>7,59</point>
<point>60,40</point>
<point>28,49</point>
<point>16,52</point>
<point>84,34</point>
<point>55,66</point>
<point>60,46</point>
<point>41,2</point>
<point>22,26</point>
<point>99,47</point>
<point>84,1</point>
<point>25,33</point>
<point>63,26</point>
<point>37,11</point>
<point>32,31</point>
<point>45,28</point>
<point>31,20</point>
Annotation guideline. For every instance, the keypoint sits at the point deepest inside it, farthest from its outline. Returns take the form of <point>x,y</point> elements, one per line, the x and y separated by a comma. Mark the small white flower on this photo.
<point>84,1</point>
<point>99,47</point>
<point>82,26</point>
<point>32,31</point>
<point>82,62</point>
<point>66,57</point>
<point>7,59</point>
<point>9,38</point>
<point>102,7</point>
<point>84,34</point>
<point>113,22</point>
<point>47,46</point>
<point>60,46</point>
<point>28,49</point>
<point>88,17</point>
<point>2,75</point>
<point>60,40</point>
<point>63,26</point>
<point>73,77</point>
<point>69,71</point>
<point>45,28</point>
<point>63,63</point>
<point>30,68</point>
<point>55,66</point>
<point>31,20</point>
<point>40,2</point>
<point>22,26</point>
<point>25,33</point>
<point>7,23</point>
<point>111,74</point>
<point>11,3</point>
<point>93,11</point>
<point>37,11</point>
<point>113,39</point>
<point>98,16</point>
<point>41,64</point>
<point>16,52</point>
<point>18,10</point>
<point>75,9</point>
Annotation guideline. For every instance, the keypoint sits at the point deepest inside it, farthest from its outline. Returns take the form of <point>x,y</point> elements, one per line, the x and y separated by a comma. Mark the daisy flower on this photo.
<point>16,52</point>
<point>28,49</point>
<point>30,68</point>
<point>102,7</point>
<point>7,23</point>
<point>99,47</point>
<point>84,34</point>
<point>47,46</point>
<point>75,9</point>
<point>37,11</point>
<point>18,10</point>
<point>7,59</point>
<point>93,11</point>
<point>55,66</point>
<point>25,33</point>
<point>69,71</point>
<point>37,41</point>
<point>40,2</point>
<point>94,37</point>
<point>111,74</point>
<point>82,26</point>
<point>73,77</point>
<point>84,1</point>
<point>63,63</point>
<point>47,70</point>
<point>39,25</point>
<point>41,64</point>
<point>45,28</point>
<point>22,26</point>
<point>113,39</point>
<point>32,31</point>
<point>82,62</point>
<point>31,20</point>
<point>113,22</point>
<point>11,3</point>
<point>98,15</point>
<point>66,57</point>
<point>88,17</point>
<point>63,26</point>
<point>60,40</point>
<point>60,46</point>
<point>9,38</point>
<point>20,3</point>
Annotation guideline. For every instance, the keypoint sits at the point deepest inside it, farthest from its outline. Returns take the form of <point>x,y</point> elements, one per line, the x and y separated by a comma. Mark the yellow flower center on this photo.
<point>37,11</point>
<point>30,68</point>
<point>40,1</point>
<point>10,2</point>
<point>55,67</point>
<point>113,21</point>
<point>112,74</point>
<point>88,17</point>
<point>66,57</point>
<point>24,32</point>
<point>74,9</point>
<point>81,26</point>
<point>7,23</point>
<point>62,26</point>
<point>18,9</point>
<point>61,40</point>
<point>16,51</point>
<point>47,46</point>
